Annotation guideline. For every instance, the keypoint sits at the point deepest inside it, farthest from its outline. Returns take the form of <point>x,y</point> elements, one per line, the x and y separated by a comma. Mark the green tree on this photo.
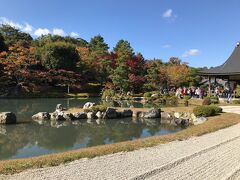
<point>123,50</point>
<point>59,55</point>
<point>97,45</point>
<point>42,40</point>
<point>194,79</point>
<point>153,77</point>
<point>100,58</point>
<point>13,35</point>
<point>119,76</point>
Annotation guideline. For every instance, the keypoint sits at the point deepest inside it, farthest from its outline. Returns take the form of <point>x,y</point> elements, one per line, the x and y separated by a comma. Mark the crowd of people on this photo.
<point>199,92</point>
<point>191,92</point>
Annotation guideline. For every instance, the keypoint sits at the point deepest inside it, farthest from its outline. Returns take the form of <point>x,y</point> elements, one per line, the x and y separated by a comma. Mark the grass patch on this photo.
<point>213,124</point>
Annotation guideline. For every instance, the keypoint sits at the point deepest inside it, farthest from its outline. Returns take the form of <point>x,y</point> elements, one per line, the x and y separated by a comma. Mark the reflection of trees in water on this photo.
<point>56,138</point>
<point>61,136</point>
<point>16,137</point>
<point>111,131</point>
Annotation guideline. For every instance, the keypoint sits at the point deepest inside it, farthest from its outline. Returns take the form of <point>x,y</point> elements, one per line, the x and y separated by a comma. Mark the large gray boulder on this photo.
<point>8,118</point>
<point>111,113</point>
<point>153,113</point>
<point>79,115</point>
<point>41,116</point>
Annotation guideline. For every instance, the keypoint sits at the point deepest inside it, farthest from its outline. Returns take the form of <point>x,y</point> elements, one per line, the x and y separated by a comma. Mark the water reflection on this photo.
<point>49,137</point>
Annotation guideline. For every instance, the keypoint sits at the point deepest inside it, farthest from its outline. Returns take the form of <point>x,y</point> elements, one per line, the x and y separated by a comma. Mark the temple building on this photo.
<point>229,71</point>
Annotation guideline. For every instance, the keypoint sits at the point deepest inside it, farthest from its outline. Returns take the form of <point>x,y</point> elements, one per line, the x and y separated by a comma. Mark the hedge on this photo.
<point>206,111</point>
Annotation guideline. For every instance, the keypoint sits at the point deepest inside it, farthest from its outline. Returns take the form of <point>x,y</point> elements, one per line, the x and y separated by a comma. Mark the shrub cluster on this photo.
<point>206,111</point>
<point>108,93</point>
<point>163,99</point>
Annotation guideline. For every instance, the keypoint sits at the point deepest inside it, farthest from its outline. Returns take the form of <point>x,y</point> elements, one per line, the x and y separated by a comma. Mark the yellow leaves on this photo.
<point>83,52</point>
<point>176,73</point>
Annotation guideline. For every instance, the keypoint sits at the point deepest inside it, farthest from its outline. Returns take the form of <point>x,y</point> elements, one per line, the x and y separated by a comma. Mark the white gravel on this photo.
<point>211,156</point>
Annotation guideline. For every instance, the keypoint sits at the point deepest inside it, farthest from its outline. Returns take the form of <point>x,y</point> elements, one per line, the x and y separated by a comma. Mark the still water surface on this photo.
<point>29,138</point>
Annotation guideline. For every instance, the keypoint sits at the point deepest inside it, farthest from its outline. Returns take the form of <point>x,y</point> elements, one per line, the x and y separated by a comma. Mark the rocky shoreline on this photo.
<point>176,119</point>
<point>91,113</point>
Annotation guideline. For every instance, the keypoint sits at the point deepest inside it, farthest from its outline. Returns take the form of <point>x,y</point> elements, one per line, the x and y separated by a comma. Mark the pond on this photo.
<point>29,138</point>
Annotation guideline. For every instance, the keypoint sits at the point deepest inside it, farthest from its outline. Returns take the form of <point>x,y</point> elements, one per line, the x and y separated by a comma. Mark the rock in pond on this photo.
<point>68,116</point>
<point>58,116</point>
<point>59,107</point>
<point>79,115</point>
<point>99,115</point>
<point>41,116</point>
<point>91,115</point>
<point>8,118</point>
<point>88,105</point>
<point>153,113</point>
<point>110,113</point>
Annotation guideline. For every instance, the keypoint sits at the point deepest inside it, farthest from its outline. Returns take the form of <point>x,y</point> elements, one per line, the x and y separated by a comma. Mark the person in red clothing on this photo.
<point>184,91</point>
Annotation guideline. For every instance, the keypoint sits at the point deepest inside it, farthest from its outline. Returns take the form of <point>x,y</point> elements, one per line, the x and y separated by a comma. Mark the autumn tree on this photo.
<point>176,73</point>
<point>136,72</point>
<point>16,59</point>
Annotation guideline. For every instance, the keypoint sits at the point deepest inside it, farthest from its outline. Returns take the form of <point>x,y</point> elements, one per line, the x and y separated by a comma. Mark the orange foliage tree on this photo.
<point>17,59</point>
